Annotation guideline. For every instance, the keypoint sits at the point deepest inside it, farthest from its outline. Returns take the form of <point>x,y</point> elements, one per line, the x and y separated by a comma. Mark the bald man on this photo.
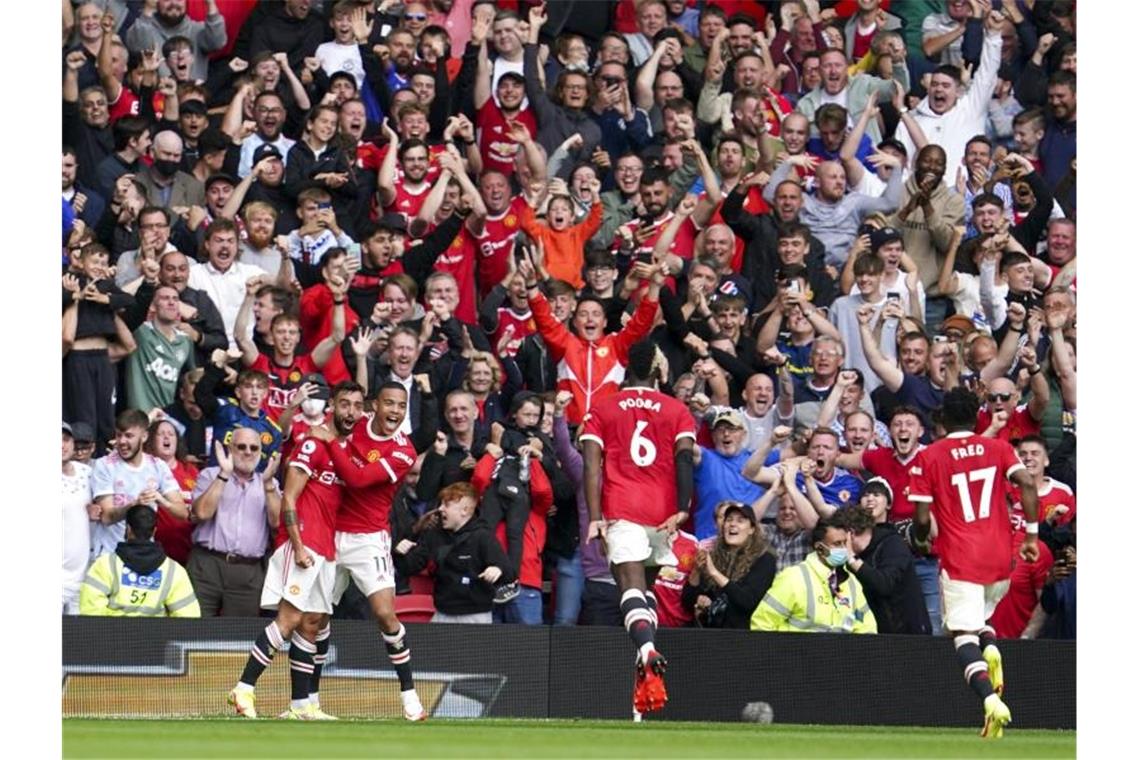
<point>166,185</point>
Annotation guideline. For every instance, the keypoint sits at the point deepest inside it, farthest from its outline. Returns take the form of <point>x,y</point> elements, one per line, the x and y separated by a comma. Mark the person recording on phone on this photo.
<point>319,232</point>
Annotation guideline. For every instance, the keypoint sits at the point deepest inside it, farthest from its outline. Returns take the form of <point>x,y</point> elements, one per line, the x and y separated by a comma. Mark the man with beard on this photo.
<point>404,194</point>
<point>624,202</point>
<point>638,237</point>
<point>305,556</point>
<point>198,317</point>
<point>128,477</point>
<point>853,92</point>
<point>927,235</point>
<point>166,184</point>
<point>86,121</point>
<point>833,214</point>
<point>946,119</point>
<point>269,118</point>
<point>170,20</point>
<point>1058,148</point>
<point>371,463</point>
<point>493,116</point>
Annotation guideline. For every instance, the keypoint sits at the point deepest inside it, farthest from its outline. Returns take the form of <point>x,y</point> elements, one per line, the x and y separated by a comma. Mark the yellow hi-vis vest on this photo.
<point>112,589</point>
<point>800,600</point>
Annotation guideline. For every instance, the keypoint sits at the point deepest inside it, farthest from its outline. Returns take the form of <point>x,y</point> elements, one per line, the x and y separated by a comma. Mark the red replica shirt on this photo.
<point>433,171</point>
<point>371,466</point>
<point>459,261</point>
<point>172,534</point>
<point>671,582</point>
<point>965,477</point>
<point>682,244</point>
<point>1021,424</point>
<point>283,381</point>
<point>521,326</point>
<point>637,429</point>
<point>884,463</point>
<point>319,501</point>
<point>1025,583</point>
<point>754,204</point>
<point>496,148</point>
<point>408,202</point>
<point>1055,503</point>
<point>496,244</point>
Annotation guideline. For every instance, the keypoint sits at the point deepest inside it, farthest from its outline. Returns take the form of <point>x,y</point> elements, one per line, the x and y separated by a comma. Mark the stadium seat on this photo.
<point>422,584</point>
<point>415,608</point>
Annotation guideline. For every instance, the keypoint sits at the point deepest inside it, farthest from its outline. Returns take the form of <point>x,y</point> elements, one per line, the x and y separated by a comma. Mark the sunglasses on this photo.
<point>1003,397</point>
<point>247,447</point>
<point>416,16</point>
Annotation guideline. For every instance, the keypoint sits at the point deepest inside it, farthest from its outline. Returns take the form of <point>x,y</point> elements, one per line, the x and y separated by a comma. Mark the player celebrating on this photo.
<point>372,462</point>
<point>636,429</point>
<point>301,571</point>
<point>961,481</point>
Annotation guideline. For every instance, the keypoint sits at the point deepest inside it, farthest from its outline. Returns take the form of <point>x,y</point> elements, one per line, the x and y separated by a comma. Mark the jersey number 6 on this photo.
<point>641,450</point>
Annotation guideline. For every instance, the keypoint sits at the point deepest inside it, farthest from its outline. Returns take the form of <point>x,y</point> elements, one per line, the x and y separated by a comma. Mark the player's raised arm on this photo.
<point>296,477</point>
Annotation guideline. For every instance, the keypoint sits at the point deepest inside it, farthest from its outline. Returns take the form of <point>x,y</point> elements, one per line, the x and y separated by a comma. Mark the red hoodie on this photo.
<point>534,535</point>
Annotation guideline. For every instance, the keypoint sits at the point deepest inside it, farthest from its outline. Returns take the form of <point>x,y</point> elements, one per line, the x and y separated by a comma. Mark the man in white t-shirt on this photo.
<point>76,533</point>
<point>223,278</point>
<point>127,477</point>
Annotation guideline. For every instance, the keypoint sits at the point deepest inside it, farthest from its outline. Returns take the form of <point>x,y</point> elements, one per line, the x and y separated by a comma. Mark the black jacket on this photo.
<point>892,587</point>
<point>742,595</point>
<point>144,557</point>
<point>458,558</point>
<point>208,321</point>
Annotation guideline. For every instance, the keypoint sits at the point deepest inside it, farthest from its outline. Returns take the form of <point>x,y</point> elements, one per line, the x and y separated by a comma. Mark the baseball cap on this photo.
<point>891,142</point>
<point>220,177</point>
<point>731,416</point>
<point>82,432</point>
<point>394,222</point>
<point>513,75</point>
<point>318,380</point>
<point>882,236</point>
<point>67,429</point>
<point>746,511</point>
<point>266,149</point>
<point>957,322</point>
<point>192,106</point>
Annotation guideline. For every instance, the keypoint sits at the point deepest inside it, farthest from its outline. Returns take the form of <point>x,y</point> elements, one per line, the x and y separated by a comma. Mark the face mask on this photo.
<point>313,407</point>
<point>836,557</point>
<point>166,168</point>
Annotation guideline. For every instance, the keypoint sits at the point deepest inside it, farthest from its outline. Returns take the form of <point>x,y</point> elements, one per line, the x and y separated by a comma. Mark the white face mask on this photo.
<point>313,407</point>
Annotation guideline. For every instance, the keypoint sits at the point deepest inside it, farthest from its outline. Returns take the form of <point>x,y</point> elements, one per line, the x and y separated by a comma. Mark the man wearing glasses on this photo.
<point>1003,400</point>
<point>234,506</point>
<point>269,117</point>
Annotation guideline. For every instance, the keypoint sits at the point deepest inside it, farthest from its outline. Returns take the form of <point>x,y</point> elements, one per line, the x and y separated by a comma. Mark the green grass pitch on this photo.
<point>238,738</point>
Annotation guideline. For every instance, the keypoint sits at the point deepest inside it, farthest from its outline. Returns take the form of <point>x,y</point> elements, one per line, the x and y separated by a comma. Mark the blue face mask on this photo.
<point>837,557</point>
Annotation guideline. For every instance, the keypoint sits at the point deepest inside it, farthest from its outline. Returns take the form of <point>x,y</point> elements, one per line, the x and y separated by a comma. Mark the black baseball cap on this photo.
<point>742,509</point>
<point>394,222</point>
<point>264,150</point>
<point>193,106</point>
<point>882,236</point>
<point>891,142</point>
<point>82,432</point>
<point>513,75</point>
<point>221,177</point>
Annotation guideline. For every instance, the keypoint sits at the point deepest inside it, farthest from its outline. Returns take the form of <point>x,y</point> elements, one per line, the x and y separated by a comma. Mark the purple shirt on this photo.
<point>240,525</point>
<point>594,564</point>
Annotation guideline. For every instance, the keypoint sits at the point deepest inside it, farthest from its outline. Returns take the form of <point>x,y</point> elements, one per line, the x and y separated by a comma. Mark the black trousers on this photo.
<point>89,393</point>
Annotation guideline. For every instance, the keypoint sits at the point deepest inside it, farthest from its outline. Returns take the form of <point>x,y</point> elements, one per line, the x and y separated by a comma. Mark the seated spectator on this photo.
<point>138,579</point>
<point>728,581</point>
<point>883,564</point>
<point>818,595</point>
<point>469,562</point>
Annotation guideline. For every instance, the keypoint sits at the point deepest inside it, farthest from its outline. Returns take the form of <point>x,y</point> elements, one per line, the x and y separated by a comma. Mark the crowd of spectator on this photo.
<point>825,214</point>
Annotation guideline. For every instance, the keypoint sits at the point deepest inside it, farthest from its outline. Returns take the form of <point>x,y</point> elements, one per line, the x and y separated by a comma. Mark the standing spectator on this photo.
<point>76,533</point>
<point>166,184</point>
<point>132,142</point>
<point>288,26</point>
<point>172,532</point>
<point>717,473</point>
<point>128,477</point>
<point>243,410</point>
<point>85,201</point>
<point>727,582</point>
<point>234,507</point>
<point>787,536</point>
<point>852,92</point>
<point>1058,148</point>
<point>170,20</point>
<point>222,276</point>
<point>164,353</point>
<point>944,34</point>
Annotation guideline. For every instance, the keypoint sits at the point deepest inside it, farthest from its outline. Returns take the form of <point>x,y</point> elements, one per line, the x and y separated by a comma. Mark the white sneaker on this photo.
<point>413,710</point>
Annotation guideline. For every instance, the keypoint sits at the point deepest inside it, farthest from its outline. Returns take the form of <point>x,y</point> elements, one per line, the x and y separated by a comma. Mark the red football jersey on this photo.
<point>671,582</point>
<point>637,429</point>
<point>754,204</point>
<point>1025,583</point>
<point>1020,424</point>
<point>171,533</point>
<point>497,243</point>
<point>459,261</point>
<point>497,150</point>
<point>522,325</point>
<point>966,476</point>
<point>372,467</point>
<point>433,171</point>
<point>319,501</point>
<point>283,381</point>
<point>1055,498</point>
<point>682,244</point>
<point>407,201</point>
<point>883,463</point>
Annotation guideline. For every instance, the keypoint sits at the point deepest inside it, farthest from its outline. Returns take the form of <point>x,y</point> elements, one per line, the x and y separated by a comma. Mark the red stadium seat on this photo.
<point>415,608</point>
<point>422,584</point>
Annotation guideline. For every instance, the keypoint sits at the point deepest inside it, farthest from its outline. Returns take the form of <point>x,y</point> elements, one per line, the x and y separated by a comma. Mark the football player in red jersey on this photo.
<point>645,498</point>
<point>961,482</point>
<point>301,571</point>
<point>372,462</point>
